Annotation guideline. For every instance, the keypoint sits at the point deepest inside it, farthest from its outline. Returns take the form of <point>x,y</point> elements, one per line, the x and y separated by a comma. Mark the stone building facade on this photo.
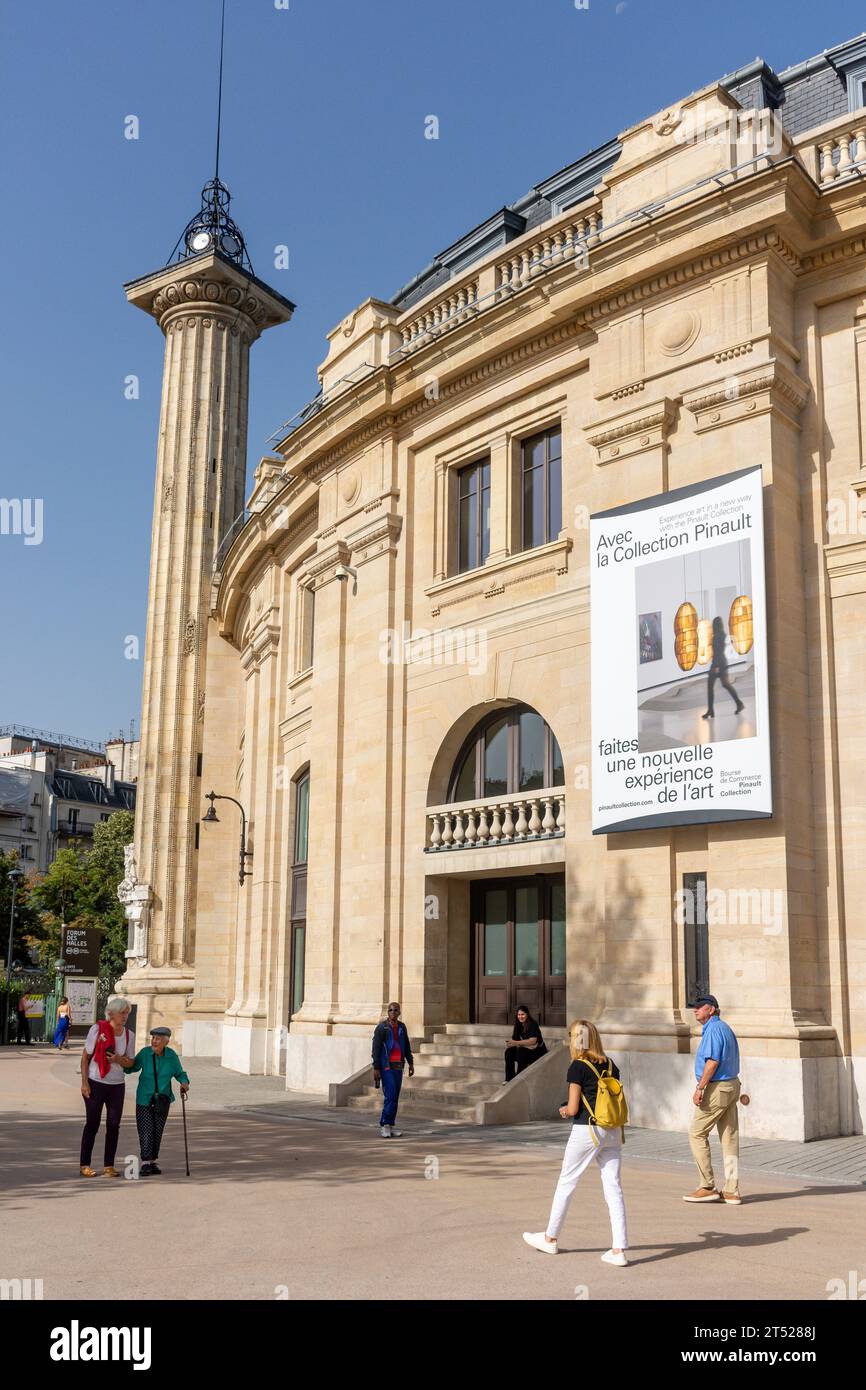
<point>390,666</point>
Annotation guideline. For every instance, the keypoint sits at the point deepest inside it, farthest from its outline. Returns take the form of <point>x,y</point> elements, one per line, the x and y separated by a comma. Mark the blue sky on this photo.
<point>323,150</point>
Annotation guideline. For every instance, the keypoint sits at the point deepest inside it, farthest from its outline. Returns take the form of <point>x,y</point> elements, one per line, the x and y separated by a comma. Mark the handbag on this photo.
<point>159,1103</point>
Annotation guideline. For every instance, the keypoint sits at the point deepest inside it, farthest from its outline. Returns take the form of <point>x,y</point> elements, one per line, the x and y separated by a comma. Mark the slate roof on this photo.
<point>805,95</point>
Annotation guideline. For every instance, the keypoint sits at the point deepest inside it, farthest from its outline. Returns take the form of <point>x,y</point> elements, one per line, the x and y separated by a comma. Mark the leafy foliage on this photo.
<point>80,889</point>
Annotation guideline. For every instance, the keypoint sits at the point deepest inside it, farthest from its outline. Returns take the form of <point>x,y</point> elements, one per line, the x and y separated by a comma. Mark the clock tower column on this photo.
<point>211,309</point>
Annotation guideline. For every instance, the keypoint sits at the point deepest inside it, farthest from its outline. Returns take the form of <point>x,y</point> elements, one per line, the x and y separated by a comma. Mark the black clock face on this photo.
<point>230,244</point>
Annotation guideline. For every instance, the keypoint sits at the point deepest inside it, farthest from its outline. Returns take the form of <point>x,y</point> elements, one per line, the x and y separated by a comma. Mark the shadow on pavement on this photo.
<point>39,1154</point>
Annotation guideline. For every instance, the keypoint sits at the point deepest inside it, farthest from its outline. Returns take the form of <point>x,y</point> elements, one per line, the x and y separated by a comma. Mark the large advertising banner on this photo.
<point>680,713</point>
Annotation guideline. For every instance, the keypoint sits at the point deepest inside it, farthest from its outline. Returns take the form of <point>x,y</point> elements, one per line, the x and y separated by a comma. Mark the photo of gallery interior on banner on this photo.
<point>680,715</point>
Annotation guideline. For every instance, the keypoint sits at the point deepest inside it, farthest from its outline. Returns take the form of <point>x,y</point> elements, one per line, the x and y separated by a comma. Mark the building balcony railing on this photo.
<point>513,820</point>
<point>836,150</point>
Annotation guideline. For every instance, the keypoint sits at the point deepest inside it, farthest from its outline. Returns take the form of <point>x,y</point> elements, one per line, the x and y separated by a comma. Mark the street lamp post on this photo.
<point>211,818</point>
<point>14,875</point>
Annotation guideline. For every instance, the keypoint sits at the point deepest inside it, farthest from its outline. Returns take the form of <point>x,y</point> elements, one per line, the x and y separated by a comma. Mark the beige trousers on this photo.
<point>719,1110</point>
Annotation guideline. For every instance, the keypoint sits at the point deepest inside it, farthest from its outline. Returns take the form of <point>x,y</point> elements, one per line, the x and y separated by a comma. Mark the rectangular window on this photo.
<point>696,937</point>
<point>299,941</point>
<point>302,819</point>
<point>73,817</point>
<point>473,515</point>
<point>541,481</point>
<point>308,622</point>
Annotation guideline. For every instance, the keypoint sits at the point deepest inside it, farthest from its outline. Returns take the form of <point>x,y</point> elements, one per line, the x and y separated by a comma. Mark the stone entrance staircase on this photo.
<point>461,1066</point>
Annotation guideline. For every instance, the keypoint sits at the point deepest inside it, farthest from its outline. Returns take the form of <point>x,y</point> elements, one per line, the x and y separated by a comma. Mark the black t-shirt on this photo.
<point>579,1074</point>
<point>529,1030</point>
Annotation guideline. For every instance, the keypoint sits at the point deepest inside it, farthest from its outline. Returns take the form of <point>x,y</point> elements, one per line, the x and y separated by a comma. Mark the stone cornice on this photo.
<point>398,419</point>
<point>202,294</point>
<point>707,264</point>
<point>493,580</point>
<point>770,386</point>
<point>844,561</point>
<point>376,538</point>
<point>209,282</point>
<point>646,427</point>
<point>321,568</point>
<point>834,255</point>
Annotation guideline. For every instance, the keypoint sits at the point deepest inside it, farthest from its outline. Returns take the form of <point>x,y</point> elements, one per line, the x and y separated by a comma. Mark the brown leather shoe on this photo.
<point>733,1199</point>
<point>87,1172</point>
<point>110,1173</point>
<point>703,1194</point>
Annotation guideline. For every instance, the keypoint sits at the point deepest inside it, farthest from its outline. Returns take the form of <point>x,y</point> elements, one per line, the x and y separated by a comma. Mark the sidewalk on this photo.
<point>288,1199</point>
<point>830,1162</point>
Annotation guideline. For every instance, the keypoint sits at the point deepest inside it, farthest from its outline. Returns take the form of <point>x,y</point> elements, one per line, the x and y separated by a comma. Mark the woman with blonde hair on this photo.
<point>586,1142</point>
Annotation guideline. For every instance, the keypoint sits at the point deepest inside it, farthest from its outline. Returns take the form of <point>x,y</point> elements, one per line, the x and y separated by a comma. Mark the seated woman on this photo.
<point>526,1045</point>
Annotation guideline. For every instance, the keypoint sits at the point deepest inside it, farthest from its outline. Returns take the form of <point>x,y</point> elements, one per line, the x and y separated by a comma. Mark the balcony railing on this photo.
<point>836,150</point>
<point>513,820</point>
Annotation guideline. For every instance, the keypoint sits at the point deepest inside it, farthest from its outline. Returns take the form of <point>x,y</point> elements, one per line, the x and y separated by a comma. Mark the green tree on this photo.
<point>28,928</point>
<point>80,889</point>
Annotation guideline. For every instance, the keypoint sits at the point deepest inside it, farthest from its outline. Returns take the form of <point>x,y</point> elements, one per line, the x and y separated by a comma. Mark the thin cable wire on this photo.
<point>220,91</point>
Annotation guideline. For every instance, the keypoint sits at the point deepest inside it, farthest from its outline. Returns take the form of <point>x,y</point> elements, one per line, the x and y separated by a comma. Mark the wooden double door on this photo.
<point>518,948</point>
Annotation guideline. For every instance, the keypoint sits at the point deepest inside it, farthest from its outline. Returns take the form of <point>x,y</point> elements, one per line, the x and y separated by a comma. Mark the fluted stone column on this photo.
<point>211,312</point>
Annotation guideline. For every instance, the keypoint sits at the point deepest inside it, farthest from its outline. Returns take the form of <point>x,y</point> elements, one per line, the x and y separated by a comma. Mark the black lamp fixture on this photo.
<point>14,875</point>
<point>211,818</point>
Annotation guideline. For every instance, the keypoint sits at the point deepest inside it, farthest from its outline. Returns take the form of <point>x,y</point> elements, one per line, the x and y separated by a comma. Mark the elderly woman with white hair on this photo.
<point>109,1050</point>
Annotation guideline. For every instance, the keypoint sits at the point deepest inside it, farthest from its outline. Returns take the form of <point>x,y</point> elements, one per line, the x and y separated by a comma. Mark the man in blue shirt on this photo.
<point>717,1066</point>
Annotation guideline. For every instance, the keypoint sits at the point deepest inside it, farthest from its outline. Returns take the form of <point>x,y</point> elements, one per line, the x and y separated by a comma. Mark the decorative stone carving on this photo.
<point>189,635</point>
<point>136,898</point>
<point>350,484</point>
<point>200,707</point>
<point>167,490</point>
<point>666,122</point>
<point>213,293</point>
<point>678,332</point>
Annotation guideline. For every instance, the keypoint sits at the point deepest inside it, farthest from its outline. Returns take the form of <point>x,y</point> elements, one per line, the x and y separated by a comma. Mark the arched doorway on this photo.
<point>516,920</point>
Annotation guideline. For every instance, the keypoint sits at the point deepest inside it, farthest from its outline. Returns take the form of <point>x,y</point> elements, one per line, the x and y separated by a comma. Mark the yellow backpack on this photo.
<point>611,1108</point>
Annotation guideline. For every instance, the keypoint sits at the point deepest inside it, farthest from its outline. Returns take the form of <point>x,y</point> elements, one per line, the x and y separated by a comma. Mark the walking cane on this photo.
<point>185,1144</point>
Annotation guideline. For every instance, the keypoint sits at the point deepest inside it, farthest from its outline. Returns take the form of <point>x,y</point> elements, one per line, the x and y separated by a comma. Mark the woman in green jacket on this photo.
<point>159,1064</point>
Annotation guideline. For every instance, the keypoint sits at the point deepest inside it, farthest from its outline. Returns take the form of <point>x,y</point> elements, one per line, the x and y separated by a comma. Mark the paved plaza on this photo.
<point>290,1199</point>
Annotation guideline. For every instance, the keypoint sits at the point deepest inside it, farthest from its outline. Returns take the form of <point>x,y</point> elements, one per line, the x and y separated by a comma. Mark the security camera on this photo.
<point>342,572</point>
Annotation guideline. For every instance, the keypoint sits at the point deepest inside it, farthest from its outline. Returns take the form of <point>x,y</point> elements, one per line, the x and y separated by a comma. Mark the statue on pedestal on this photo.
<point>135,897</point>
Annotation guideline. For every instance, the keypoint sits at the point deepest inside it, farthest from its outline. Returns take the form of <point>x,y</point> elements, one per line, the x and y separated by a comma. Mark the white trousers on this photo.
<point>579,1153</point>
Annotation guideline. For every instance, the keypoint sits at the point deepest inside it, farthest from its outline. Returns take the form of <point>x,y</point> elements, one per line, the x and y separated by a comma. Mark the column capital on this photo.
<point>209,284</point>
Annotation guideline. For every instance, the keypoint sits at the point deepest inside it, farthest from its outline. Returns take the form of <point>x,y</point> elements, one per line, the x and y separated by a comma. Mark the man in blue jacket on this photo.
<point>391,1052</point>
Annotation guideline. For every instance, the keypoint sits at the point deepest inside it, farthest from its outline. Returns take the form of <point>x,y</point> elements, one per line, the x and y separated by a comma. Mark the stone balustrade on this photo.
<point>537,815</point>
<point>565,243</point>
<point>455,308</point>
<point>836,153</point>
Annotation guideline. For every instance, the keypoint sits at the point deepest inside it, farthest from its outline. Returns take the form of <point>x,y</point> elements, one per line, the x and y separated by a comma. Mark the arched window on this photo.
<point>509,751</point>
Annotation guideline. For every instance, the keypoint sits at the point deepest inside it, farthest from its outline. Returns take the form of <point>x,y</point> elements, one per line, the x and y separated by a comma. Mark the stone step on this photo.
<point>493,1031</point>
<point>474,1061</point>
<point>421,1086</point>
<point>438,1069</point>
<point>453,1047</point>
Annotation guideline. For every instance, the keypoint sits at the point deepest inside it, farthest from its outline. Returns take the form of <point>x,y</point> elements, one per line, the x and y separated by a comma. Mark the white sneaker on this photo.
<point>385,1132</point>
<point>611,1258</point>
<point>396,1133</point>
<point>538,1240</point>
